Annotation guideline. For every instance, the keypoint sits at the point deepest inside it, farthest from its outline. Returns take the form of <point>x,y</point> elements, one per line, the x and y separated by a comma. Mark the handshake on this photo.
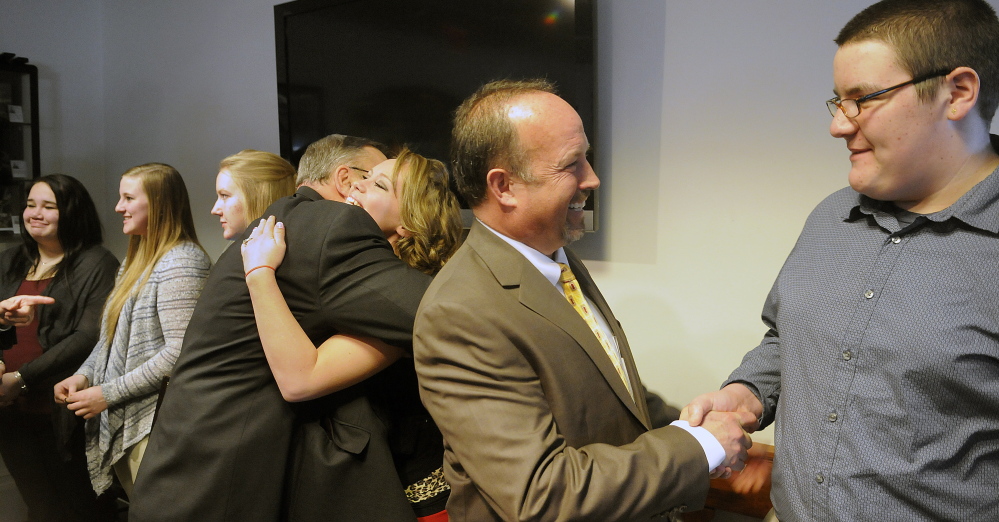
<point>730,414</point>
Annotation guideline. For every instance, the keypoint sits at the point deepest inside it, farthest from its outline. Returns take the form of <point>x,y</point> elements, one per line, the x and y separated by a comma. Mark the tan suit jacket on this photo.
<point>537,423</point>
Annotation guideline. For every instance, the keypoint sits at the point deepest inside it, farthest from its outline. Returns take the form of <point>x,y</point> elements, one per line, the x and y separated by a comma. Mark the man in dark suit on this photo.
<point>222,444</point>
<point>541,419</point>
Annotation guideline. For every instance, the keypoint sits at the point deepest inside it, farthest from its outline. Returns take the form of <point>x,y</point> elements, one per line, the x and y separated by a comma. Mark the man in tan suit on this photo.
<point>543,420</point>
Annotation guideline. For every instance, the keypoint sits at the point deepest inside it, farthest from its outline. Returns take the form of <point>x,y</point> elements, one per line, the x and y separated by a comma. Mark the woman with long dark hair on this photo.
<point>61,258</point>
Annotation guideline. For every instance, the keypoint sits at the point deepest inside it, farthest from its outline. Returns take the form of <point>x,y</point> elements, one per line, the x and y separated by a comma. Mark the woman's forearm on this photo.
<point>301,370</point>
<point>290,353</point>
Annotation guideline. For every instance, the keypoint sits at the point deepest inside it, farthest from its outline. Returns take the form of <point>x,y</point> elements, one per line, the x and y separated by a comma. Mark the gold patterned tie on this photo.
<point>575,297</point>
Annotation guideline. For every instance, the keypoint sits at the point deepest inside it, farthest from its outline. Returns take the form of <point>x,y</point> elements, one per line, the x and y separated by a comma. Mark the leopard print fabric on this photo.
<point>427,487</point>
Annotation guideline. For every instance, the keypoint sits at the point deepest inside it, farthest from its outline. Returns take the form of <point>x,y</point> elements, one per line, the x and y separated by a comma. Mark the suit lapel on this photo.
<point>513,270</point>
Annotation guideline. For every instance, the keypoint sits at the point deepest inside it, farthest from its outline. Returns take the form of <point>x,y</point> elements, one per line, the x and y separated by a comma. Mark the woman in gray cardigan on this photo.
<point>61,257</point>
<point>143,324</point>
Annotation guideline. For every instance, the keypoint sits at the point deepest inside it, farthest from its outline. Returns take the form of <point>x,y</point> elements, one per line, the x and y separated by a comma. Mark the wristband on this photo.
<point>248,272</point>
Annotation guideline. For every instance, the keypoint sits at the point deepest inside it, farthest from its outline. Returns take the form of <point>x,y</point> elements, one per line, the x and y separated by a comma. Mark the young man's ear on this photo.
<point>964,90</point>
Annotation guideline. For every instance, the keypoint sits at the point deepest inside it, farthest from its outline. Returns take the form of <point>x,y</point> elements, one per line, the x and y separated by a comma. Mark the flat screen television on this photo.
<point>395,70</point>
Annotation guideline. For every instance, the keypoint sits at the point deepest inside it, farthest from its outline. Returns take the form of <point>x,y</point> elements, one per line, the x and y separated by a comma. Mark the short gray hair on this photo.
<point>325,154</point>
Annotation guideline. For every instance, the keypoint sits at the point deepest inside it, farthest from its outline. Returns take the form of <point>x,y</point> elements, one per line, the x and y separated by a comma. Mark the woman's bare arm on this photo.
<point>302,370</point>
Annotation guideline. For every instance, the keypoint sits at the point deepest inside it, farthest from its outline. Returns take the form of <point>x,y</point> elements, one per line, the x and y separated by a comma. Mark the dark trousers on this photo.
<point>53,488</point>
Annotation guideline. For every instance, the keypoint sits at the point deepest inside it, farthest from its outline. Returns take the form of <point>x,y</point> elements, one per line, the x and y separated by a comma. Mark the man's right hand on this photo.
<point>727,429</point>
<point>733,398</point>
<point>743,408</point>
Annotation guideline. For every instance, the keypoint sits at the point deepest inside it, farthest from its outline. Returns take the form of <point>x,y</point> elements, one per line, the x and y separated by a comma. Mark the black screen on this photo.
<point>395,70</point>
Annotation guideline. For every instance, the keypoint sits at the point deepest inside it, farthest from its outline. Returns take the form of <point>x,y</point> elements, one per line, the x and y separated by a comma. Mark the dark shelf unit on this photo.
<point>19,152</point>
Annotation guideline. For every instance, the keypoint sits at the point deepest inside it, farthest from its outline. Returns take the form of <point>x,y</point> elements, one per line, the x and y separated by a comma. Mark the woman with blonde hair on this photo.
<point>428,212</point>
<point>247,183</point>
<point>409,199</point>
<point>143,323</point>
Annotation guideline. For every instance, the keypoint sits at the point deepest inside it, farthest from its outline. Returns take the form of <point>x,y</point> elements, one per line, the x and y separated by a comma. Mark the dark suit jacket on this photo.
<point>537,424</point>
<point>221,443</point>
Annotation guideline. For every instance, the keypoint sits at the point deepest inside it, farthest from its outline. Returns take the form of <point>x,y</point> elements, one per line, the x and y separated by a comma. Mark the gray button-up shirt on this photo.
<point>881,363</point>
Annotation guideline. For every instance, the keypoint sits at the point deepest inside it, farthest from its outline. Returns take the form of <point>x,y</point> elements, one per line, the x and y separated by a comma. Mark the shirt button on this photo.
<point>832,417</point>
<point>896,239</point>
<point>847,355</point>
<point>869,294</point>
<point>819,478</point>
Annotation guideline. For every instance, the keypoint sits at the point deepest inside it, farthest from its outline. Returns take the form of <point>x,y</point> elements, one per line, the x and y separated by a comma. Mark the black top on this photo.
<point>67,329</point>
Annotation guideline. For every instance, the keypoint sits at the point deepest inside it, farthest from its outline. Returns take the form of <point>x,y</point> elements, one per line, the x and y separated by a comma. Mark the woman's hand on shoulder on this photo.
<point>265,247</point>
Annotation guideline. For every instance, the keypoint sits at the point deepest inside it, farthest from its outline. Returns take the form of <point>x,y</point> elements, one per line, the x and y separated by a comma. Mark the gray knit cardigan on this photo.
<point>144,348</point>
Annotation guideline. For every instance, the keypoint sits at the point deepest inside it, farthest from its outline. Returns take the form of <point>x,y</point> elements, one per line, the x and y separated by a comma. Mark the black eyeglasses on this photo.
<point>358,168</point>
<point>851,108</point>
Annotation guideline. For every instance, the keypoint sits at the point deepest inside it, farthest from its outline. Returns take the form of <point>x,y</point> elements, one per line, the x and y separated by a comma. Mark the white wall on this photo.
<point>62,40</point>
<point>712,140</point>
<point>123,83</point>
<point>189,83</point>
<point>700,220</point>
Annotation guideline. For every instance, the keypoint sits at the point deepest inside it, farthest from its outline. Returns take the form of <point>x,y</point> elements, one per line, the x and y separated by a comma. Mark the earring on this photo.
<point>953,112</point>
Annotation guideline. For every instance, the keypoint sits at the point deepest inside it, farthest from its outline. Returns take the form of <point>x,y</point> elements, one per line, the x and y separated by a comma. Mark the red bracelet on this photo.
<point>248,272</point>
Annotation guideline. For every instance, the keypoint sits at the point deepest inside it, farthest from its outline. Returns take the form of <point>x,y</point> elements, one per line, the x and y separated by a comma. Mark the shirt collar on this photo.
<point>979,207</point>
<point>548,267</point>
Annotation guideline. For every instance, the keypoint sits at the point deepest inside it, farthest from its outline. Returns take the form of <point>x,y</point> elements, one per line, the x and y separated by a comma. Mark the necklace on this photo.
<point>42,267</point>
<point>52,261</point>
